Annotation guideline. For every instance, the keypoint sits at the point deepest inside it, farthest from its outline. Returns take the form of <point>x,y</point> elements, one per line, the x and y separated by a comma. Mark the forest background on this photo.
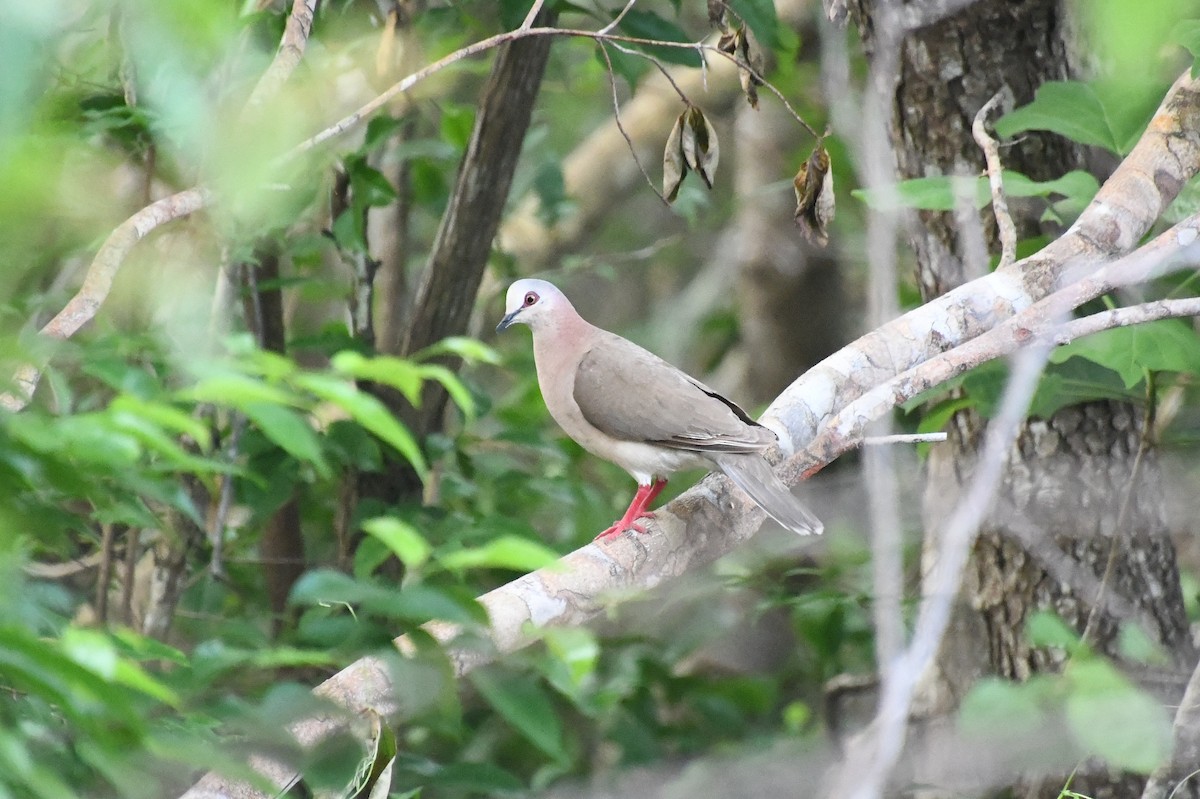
<point>258,436</point>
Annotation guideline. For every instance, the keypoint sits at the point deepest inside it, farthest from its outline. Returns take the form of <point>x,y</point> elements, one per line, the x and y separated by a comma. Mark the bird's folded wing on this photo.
<point>630,394</point>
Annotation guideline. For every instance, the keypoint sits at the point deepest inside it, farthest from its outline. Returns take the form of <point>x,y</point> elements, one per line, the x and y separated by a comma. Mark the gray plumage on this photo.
<point>627,405</point>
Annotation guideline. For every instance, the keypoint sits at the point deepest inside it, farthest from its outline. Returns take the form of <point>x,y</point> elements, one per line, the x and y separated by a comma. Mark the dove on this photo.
<point>626,405</point>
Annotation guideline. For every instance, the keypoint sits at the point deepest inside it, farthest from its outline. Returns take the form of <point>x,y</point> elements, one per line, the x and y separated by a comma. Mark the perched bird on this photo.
<point>632,408</point>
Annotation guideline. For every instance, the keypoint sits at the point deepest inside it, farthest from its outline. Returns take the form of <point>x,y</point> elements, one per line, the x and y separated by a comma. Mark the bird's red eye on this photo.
<point>531,298</point>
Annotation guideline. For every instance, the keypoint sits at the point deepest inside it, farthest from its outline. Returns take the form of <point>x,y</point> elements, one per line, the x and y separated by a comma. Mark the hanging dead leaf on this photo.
<point>742,45</point>
<point>716,13</point>
<point>814,196</point>
<point>674,166</point>
<point>701,150</point>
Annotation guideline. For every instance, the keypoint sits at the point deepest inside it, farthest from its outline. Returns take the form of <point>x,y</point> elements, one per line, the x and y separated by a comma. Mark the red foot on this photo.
<point>637,510</point>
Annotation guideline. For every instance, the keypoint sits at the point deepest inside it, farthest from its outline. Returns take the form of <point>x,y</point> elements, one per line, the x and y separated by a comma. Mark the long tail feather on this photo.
<point>754,475</point>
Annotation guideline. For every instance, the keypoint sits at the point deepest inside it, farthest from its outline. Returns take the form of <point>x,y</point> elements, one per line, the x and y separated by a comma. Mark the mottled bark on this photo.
<point>946,72</point>
<point>1069,478</point>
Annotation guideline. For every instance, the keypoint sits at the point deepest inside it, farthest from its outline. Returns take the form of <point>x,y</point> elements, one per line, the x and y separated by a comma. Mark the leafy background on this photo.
<point>146,414</point>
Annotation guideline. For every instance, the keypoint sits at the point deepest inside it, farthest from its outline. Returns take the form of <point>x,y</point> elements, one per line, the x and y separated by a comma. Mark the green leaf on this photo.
<point>1167,345</point>
<point>1048,629</point>
<point>369,186</point>
<point>483,779</point>
<point>458,121</point>
<point>1187,33</point>
<point>760,16</point>
<point>379,130</point>
<point>1069,108</point>
<point>404,540</point>
<point>1110,717</point>
<point>287,430</point>
<point>1076,185</point>
<point>1074,382</point>
<point>469,349</point>
<point>370,413</point>
<point>526,706</point>
<point>454,387</point>
<point>349,230</point>
<point>648,25</point>
<point>236,390</point>
<point>154,439</point>
<point>417,604</point>
<point>166,416</point>
<point>576,648</point>
<point>504,552</point>
<point>938,193</point>
<point>1134,644</point>
<point>996,706</point>
<point>398,373</point>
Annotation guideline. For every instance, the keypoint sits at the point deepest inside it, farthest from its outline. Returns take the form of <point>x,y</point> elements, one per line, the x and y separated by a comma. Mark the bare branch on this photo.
<point>612,80</point>
<point>82,307</point>
<point>112,254</point>
<point>617,19</point>
<point>288,56</point>
<point>991,153</point>
<point>527,23</point>
<point>1038,323</point>
<point>904,438</point>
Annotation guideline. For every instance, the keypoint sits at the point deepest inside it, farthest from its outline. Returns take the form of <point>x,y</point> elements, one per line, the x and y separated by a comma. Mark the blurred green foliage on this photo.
<point>144,417</point>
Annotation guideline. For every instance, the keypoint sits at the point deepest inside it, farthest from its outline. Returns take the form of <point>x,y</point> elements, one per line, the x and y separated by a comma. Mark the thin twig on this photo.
<point>216,530</point>
<point>1110,566</point>
<point>409,81</point>
<point>532,15</point>
<point>288,56</point>
<point>991,153</point>
<point>82,307</point>
<point>104,576</point>
<point>612,80</point>
<point>617,19</point>
<point>873,757</point>
<point>666,73</point>
<point>904,438</point>
<point>1176,248</point>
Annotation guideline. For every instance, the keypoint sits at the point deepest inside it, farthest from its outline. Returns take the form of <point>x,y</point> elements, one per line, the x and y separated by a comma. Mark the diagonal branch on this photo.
<point>82,307</point>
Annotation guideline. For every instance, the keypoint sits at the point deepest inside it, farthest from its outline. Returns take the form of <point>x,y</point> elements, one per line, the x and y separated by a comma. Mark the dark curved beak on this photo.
<point>507,321</point>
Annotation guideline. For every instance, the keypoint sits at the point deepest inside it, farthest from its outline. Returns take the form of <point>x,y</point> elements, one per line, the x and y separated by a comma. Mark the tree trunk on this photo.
<point>1081,510</point>
<point>450,282</point>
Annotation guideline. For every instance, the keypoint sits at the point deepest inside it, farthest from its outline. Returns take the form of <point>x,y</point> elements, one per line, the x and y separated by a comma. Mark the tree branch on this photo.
<point>82,307</point>
<point>991,154</point>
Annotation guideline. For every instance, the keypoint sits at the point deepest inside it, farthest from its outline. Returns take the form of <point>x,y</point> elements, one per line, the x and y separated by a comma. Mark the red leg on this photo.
<point>637,510</point>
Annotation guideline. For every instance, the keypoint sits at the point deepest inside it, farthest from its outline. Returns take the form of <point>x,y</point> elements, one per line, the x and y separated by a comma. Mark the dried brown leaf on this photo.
<point>674,166</point>
<point>706,150</point>
<point>814,196</point>
<point>749,86</point>
<point>716,13</point>
<point>750,63</point>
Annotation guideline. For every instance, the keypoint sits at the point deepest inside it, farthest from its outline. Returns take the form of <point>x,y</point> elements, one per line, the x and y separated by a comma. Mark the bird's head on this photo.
<point>535,303</point>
